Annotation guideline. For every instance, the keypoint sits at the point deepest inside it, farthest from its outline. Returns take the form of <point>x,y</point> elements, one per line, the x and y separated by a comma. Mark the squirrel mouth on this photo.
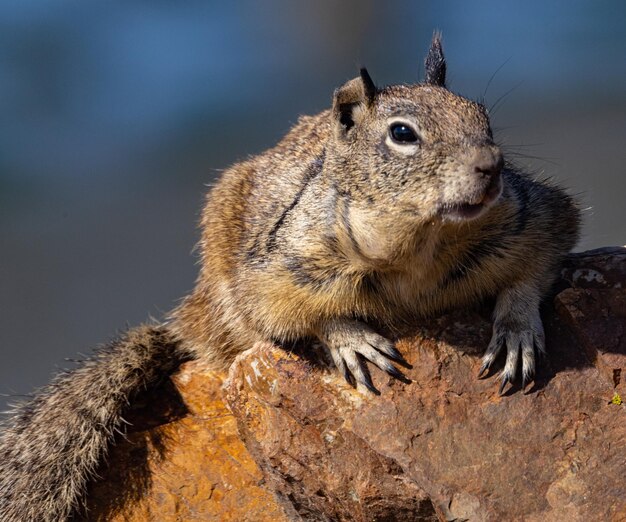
<point>466,211</point>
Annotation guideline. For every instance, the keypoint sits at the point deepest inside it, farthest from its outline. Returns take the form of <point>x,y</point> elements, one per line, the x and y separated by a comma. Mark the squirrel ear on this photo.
<point>351,98</point>
<point>368,85</point>
<point>435,63</point>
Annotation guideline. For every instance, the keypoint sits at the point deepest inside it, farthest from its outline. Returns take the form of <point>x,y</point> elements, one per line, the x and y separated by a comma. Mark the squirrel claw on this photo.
<point>505,381</point>
<point>520,344</point>
<point>483,370</point>
<point>394,372</point>
<point>394,354</point>
<point>369,385</point>
<point>350,343</point>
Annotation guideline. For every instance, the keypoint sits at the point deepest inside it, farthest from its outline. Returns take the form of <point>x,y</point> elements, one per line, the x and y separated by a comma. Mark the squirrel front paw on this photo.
<point>522,336</point>
<point>349,342</point>
<point>516,326</point>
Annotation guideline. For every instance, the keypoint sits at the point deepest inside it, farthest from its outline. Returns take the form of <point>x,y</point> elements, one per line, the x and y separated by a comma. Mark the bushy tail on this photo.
<point>51,445</point>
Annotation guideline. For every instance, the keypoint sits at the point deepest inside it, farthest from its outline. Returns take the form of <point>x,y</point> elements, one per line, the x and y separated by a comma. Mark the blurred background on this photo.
<point>114,116</point>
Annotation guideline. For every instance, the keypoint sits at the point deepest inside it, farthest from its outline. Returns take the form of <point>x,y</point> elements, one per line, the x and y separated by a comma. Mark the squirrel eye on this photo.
<point>402,133</point>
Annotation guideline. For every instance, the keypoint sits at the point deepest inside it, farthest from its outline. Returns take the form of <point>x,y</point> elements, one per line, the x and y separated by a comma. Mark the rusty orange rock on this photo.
<point>287,439</point>
<point>183,461</point>
<point>447,446</point>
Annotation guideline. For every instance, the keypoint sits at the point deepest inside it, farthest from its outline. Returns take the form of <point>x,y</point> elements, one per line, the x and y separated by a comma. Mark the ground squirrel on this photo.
<point>394,204</point>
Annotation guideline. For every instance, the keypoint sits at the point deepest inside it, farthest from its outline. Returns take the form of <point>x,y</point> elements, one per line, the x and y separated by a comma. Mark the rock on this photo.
<point>594,308</point>
<point>301,444</point>
<point>182,460</point>
<point>447,446</point>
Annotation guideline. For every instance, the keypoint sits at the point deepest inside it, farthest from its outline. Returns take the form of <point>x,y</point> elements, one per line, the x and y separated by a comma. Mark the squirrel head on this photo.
<point>420,148</point>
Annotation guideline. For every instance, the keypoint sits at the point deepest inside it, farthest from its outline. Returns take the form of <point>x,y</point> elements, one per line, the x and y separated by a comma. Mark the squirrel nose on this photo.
<point>488,163</point>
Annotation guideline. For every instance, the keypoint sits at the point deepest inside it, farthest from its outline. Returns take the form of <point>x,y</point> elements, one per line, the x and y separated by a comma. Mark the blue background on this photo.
<point>114,116</point>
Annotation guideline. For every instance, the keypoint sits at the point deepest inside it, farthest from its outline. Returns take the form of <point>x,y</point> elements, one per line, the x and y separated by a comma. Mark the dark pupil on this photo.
<point>402,133</point>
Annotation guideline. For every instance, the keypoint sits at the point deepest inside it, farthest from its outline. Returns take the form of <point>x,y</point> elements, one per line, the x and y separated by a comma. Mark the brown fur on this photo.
<point>321,227</point>
<point>336,229</point>
<point>55,442</point>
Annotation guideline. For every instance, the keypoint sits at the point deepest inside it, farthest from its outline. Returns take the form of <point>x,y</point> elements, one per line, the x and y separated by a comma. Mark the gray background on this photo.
<point>114,116</point>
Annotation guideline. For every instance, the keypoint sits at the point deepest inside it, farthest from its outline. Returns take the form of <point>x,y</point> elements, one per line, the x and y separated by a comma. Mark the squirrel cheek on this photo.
<point>367,236</point>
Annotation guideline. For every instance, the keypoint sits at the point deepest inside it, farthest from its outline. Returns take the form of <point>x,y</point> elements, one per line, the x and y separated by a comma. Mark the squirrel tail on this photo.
<point>52,445</point>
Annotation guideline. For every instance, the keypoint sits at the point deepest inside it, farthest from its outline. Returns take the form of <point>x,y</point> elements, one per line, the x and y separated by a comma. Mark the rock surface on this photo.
<point>182,461</point>
<point>444,447</point>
